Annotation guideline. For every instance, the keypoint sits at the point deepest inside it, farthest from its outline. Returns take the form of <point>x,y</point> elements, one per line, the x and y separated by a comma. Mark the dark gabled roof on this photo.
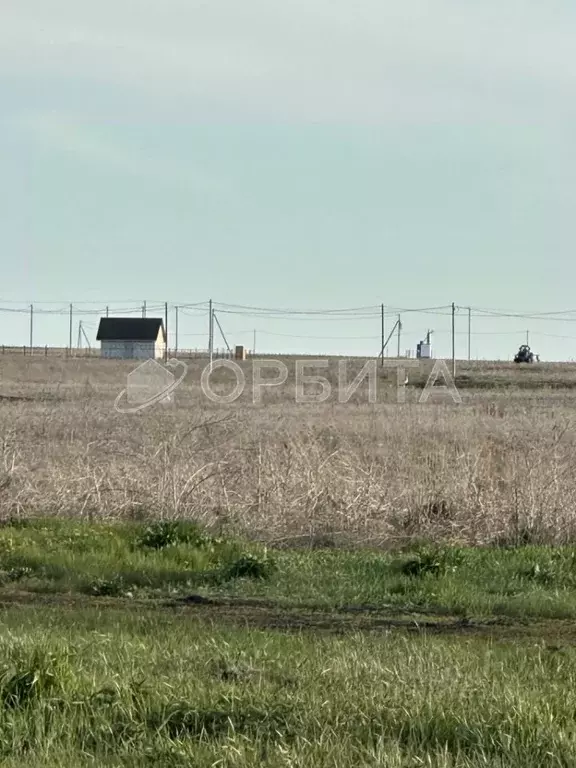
<point>129,328</point>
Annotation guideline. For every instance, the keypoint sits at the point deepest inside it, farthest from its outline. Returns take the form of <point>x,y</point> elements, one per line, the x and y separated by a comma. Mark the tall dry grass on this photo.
<point>499,467</point>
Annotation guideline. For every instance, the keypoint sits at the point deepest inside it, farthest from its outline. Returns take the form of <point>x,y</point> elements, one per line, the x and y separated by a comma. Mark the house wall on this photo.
<point>128,350</point>
<point>144,350</point>
<point>116,349</point>
<point>160,346</point>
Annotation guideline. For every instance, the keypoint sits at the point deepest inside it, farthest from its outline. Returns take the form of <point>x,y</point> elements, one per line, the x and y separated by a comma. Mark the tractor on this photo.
<point>525,355</point>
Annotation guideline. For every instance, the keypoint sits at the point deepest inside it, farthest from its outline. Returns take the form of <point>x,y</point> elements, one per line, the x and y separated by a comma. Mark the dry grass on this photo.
<point>499,467</point>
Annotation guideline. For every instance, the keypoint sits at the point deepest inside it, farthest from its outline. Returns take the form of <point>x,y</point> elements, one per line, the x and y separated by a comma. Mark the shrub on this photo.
<point>16,574</point>
<point>435,561</point>
<point>113,587</point>
<point>169,533</point>
<point>251,567</point>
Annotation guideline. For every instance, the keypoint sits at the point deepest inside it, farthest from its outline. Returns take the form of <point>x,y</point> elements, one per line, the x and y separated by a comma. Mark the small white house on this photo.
<point>136,338</point>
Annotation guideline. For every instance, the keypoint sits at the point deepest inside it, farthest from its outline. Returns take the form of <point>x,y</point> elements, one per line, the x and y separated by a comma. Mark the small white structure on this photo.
<point>424,348</point>
<point>132,338</point>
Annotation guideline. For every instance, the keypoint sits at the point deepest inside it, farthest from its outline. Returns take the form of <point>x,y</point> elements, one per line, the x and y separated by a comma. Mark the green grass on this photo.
<point>527,581</point>
<point>62,555</point>
<point>114,688</point>
<point>97,559</point>
<point>97,668</point>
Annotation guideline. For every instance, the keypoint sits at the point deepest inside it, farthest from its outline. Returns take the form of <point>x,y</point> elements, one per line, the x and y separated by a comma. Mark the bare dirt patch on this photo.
<point>257,614</point>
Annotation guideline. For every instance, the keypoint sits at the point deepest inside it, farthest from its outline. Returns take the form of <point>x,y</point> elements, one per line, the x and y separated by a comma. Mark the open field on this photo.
<point>361,583</point>
<point>497,467</point>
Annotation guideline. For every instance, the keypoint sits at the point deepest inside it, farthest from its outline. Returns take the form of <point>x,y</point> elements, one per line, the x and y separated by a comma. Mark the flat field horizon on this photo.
<point>271,582</point>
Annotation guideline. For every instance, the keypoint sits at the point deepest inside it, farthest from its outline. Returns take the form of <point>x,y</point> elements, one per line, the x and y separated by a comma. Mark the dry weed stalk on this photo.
<point>498,468</point>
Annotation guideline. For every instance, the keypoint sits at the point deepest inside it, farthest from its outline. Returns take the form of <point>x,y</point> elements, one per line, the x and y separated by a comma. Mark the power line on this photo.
<point>368,314</point>
<point>551,335</point>
<point>282,315</point>
<point>324,338</point>
<point>424,310</point>
<point>343,314</point>
<point>279,310</point>
<point>369,311</point>
<point>527,314</point>
<point>351,313</point>
<point>518,316</point>
<point>375,338</point>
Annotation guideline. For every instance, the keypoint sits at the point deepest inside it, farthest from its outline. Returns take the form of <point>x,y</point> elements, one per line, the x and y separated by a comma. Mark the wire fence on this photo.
<point>48,351</point>
<point>180,354</point>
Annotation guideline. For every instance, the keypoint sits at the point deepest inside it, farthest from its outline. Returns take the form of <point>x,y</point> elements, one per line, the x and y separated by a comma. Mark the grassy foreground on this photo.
<point>112,688</point>
<point>135,645</point>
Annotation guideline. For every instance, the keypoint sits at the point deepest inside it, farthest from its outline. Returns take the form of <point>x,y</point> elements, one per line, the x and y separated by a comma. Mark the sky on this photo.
<point>310,155</point>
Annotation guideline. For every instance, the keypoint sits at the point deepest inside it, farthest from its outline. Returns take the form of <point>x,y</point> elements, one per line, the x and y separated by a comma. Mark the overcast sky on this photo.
<point>308,154</point>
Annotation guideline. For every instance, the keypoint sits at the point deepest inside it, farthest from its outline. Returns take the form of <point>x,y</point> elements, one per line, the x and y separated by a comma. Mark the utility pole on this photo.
<point>210,332</point>
<point>453,341</point>
<point>166,331</point>
<point>70,330</point>
<point>176,329</point>
<point>254,345</point>
<point>79,343</point>
<point>469,331</point>
<point>107,311</point>
<point>31,327</point>
<point>144,309</point>
<point>382,335</point>
<point>527,338</point>
<point>399,333</point>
